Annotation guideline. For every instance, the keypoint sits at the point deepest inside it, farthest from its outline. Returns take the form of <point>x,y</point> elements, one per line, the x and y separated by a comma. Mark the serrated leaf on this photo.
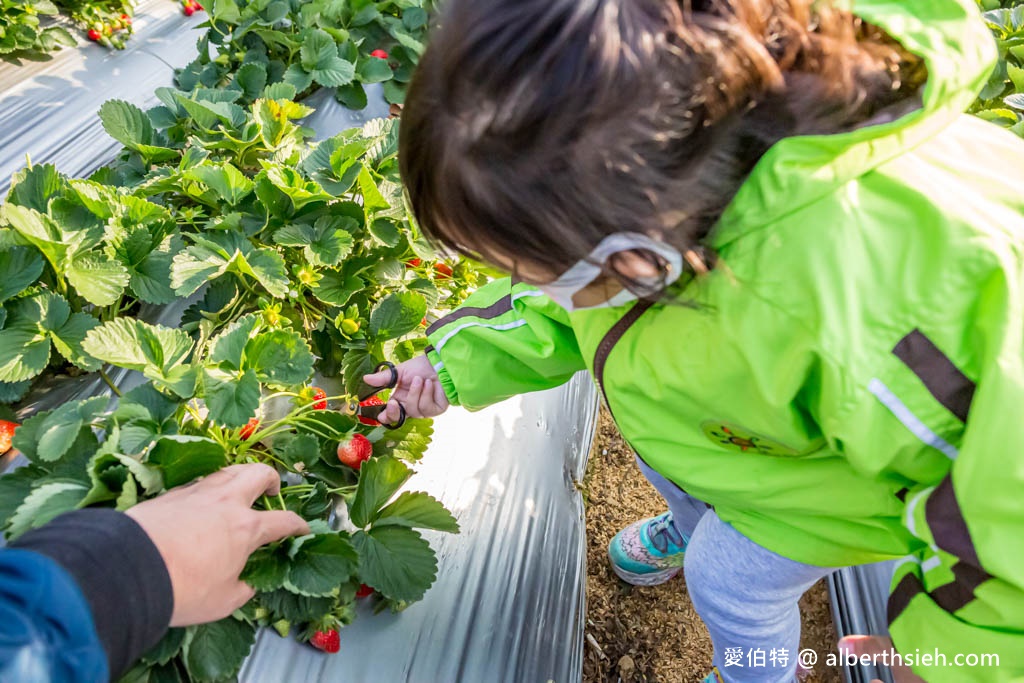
<point>68,340</point>
<point>293,449</point>
<point>320,563</point>
<point>135,345</point>
<point>24,351</point>
<point>280,91</point>
<point>58,431</point>
<point>21,267</point>
<point>379,479</point>
<point>279,357</point>
<point>230,184</point>
<point>334,289</point>
<point>184,458</point>
<point>296,608</point>
<point>15,487</point>
<point>396,315</point>
<point>228,346</point>
<point>45,503</point>
<point>251,78</point>
<point>167,648</point>
<point>318,48</point>
<point>100,280</point>
<point>216,651</point>
<point>232,397</point>
<point>326,243</point>
<point>33,187</point>
<point>396,561</point>
<point>126,123</point>
<point>418,511</point>
<point>267,568</point>
<point>374,70</point>
<point>386,232</point>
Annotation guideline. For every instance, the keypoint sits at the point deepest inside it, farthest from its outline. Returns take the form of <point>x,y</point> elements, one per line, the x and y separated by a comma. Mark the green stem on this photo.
<point>113,387</point>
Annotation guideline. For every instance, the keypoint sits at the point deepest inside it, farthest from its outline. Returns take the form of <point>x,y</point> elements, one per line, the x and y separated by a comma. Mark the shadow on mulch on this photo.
<point>652,634</point>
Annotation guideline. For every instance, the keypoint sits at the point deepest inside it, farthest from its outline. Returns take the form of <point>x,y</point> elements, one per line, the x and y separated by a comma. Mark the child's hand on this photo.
<point>418,390</point>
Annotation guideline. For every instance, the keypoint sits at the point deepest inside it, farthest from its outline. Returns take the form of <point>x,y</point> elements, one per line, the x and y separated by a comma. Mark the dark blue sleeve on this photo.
<point>110,571</point>
<point>46,627</point>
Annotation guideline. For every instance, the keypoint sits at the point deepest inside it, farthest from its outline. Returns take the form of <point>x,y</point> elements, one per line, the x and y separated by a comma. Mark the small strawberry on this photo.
<point>6,435</point>
<point>443,270</point>
<point>189,11</point>
<point>379,54</point>
<point>355,451</point>
<point>329,641</point>
<point>364,591</point>
<point>249,429</point>
<point>319,398</point>
<point>94,35</point>
<point>126,19</point>
<point>372,401</point>
<point>349,326</point>
<point>197,6</point>
<point>413,263</point>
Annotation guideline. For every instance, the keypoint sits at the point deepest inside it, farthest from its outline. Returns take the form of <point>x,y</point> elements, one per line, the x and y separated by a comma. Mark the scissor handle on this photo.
<point>366,390</point>
<point>373,412</point>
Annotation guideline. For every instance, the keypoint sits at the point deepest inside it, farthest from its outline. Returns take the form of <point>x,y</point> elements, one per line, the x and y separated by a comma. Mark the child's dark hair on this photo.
<point>534,128</point>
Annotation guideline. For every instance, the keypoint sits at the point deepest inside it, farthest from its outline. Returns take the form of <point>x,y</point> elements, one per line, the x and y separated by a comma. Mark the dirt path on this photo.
<point>652,634</point>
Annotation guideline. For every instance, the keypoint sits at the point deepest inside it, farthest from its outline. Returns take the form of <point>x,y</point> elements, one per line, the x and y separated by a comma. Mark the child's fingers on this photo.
<point>427,407</point>
<point>378,379</point>
<point>440,399</point>
<point>413,398</point>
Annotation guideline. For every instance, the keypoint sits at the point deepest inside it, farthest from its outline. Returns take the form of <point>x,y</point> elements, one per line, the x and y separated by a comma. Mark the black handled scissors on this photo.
<point>367,391</point>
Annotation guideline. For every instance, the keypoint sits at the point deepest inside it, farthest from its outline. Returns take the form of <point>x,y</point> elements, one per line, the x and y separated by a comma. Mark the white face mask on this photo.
<point>577,278</point>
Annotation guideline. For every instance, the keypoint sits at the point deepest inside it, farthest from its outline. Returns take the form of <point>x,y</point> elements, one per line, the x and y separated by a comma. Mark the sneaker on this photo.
<point>714,677</point>
<point>648,552</point>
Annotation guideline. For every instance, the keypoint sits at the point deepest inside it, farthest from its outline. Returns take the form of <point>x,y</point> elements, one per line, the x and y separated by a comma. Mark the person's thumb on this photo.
<point>277,524</point>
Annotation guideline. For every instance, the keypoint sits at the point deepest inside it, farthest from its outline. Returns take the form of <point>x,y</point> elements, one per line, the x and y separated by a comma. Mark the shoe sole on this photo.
<point>650,579</point>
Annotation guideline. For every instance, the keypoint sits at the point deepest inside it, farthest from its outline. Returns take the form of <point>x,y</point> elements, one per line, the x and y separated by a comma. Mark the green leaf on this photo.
<point>396,561</point>
<point>320,563</point>
<point>167,649</point>
<point>151,279</point>
<point>374,70</point>
<point>336,72</point>
<point>24,351</point>
<point>373,200</point>
<point>396,315</point>
<point>39,230</point>
<point>21,267</point>
<point>379,479</point>
<point>126,123</point>
<point>45,503</point>
<point>386,232</point>
<point>267,568</point>
<point>280,91</point>
<point>318,49</point>
<point>293,449</point>
<point>184,458</point>
<point>33,187</point>
<point>228,182</point>
<point>418,511</point>
<point>68,340</point>
<point>15,487</point>
<point>296,608</point>
<point>279,357</point>
<point>352,96</point>
<point>58,430</point>
<point>216,651</point>
<point>334,289</point>
<point>233,398</point>
<point>135,345</point>
<point>99,279</point>
<point>228,346</point>
<point>410,441</point>
<point>298,189</point>
<point>251,78</point>
<point>326,243</point>
<point>226,11</point>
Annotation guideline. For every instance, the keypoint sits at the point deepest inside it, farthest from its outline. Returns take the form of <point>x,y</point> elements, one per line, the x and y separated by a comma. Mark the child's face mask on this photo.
<point>568,290</point>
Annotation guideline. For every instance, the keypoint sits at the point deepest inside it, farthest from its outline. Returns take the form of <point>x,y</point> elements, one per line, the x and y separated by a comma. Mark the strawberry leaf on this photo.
<point>99,279</point>
<point>184,458</point>
<point>396,315</point>
<point>267,568</point>
<point>43,504</point>
<point>21,267</point>
<point>379,478</point>
<point>319,564</point>
<point>167,648</point>
<point>396,561</point>
<point>417,511</point>
<point>232,397</point>
<point>216,651</point>
<point>279,357</point>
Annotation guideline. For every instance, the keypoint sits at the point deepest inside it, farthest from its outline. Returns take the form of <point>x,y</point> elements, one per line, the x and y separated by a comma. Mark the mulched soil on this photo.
<point>652,634</point>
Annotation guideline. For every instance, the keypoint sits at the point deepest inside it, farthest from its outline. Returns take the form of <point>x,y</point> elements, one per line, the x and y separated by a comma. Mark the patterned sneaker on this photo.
<point>713,677</point>
<point>648,552</point>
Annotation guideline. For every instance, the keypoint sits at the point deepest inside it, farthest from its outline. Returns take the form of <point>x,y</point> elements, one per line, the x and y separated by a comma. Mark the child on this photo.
<point>794,273</point>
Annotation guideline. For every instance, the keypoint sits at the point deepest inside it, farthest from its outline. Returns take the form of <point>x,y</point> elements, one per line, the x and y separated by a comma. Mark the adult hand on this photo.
<point>876,646</point>
<point>205,533</point>
<point>419,390</point>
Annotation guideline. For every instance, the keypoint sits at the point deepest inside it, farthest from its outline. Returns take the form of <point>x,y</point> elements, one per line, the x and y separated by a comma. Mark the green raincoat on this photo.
<point>851,386</point>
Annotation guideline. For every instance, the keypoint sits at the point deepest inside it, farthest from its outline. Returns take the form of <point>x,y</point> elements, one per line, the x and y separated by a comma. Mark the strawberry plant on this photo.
<point>107,22</point>
<point>309,45</point>
<point>1002,99</point>
<point>21,32</point>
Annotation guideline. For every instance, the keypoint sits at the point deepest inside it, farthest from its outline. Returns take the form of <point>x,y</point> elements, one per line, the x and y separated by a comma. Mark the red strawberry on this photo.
<point>355,451</point>
<point>364,591</point>
<point>197,6</point>
<point>379,54</point>
<point>328,641</point>
<point>189,10</point>
<point>249,429</point>
<point>94,35</point>
<point>6,435</point>
<point>443,271</point>
<point>319,398</point>
<point>413,263</point>
<point>372,401</point>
